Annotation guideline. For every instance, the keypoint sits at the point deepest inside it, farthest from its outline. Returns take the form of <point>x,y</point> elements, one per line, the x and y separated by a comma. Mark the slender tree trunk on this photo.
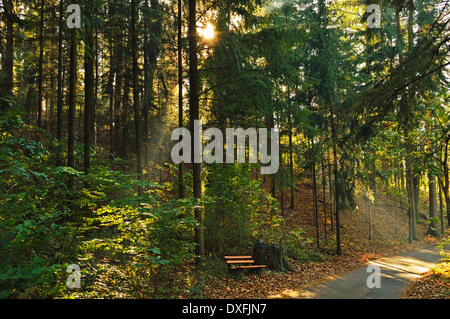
<point>416,180</point>
<point>60,97</point>
<point>194,115</point>
<point>410,186</point>
<point>111,100</point>
<point>369,212</point>
<point>291,167</point>
<point>112,75</point>
<point>336,182</point>
<point>324,186</point>
<point>180,91</point>
<point>316,211</point>
<point>72,99</point>
<point>330,185</point>
<point>397,184</point>
<point>441,208</point>
<point>433,228</point>
<point>94,128</point>
<point>282,199</point>
<point>89,84</point>
<point>40,65</point>
<point>137,113</point>
<point>396,218</point>
<point>9,59</point>
<point>124,107</point>
<point>446,182</point>
<point>7,85</point>
<point>147,88</point>
<point>51,102</point>
<point>119,83</point>
<point>369,217</point>
<point>402,179</point>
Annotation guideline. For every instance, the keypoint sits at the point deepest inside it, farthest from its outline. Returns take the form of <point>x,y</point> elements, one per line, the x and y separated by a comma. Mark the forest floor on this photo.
<point>357,249</point>
<point>433,284</point>
<point>212,280</point>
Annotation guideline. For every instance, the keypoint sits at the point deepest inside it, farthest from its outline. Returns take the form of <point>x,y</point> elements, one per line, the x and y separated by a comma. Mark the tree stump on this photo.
<point>271,256</point>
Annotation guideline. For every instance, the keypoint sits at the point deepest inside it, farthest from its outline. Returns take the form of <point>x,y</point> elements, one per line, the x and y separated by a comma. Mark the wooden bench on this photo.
<point>241,263</point>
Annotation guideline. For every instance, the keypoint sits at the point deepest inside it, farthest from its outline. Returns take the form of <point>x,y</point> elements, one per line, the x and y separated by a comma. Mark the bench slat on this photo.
<point>234,261</point>
<point>240,261</point>
<point>249,267</point>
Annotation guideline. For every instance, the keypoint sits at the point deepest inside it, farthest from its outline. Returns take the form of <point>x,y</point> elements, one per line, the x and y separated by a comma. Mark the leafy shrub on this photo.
<point>237,209</point>
<point>36,208</point>
<point>137,244</point>
<point>296,246</point>
<point>47,223</point>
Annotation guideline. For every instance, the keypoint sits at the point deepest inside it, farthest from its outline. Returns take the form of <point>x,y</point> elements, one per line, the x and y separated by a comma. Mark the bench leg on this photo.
<point>257,270</point>
<point>238,272</point>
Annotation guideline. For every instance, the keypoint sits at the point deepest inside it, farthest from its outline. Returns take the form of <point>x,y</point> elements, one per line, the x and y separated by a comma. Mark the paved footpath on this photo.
<point>397,273</point>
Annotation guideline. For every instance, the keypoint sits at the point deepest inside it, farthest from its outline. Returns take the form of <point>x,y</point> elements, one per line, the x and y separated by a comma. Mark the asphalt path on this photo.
<point>395,275</point>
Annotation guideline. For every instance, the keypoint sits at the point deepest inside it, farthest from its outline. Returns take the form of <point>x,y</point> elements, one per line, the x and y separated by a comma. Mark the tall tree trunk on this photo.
<point>397,181</point>
<point>112,75</point>
<point>446,181</point>
<point>315,204</point>
<point>291,167</point>
<point>324,186</point>
<point>137,113</point>
<point>125,107</point>
<point>60,98</point>
<point>416,180</point>
<point>89,84</point>
<point>441,207</point>
<point>194,115</point>
<point>96,81</point>
<point>336,183</point>
<point>330,183</point>
<point>180,91</point>
<point>147,89</point>
<point>270,124</point>
<point>7,85</point>
<point>410,186</point>
<point>51,103</point>
<point>369,215</point>
<point>119,83</point>
<point>40,65</point>
<point>72,99</point>
<point>433,228</point>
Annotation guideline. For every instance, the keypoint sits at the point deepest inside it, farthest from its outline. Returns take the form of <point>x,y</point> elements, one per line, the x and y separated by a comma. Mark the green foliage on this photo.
<point>37,210</point>
<point>237,210</point>
<point>51,217</point>
<point>445,242</point>
<point>296,246</point>
<point>140,242</point>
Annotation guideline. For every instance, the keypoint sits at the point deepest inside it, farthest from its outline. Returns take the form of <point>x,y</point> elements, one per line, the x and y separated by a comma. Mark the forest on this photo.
<point>347,101</point>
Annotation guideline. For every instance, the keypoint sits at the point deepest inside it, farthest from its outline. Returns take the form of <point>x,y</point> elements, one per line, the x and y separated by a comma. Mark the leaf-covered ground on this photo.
<point>434,284</point>
<point>212,280</point>
<point>389,237</point>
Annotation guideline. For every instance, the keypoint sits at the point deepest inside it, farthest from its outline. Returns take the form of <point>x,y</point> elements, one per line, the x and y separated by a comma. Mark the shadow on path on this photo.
<point>397,273</point>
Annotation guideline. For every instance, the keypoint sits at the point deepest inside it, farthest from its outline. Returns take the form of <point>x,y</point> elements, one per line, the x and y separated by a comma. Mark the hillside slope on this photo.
<point>357,248</point>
